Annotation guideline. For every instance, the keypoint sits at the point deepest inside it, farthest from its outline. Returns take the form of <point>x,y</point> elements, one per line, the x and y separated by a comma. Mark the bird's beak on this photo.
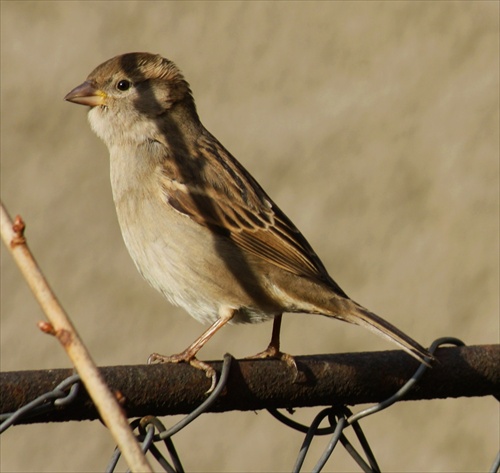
<point>86,94</point>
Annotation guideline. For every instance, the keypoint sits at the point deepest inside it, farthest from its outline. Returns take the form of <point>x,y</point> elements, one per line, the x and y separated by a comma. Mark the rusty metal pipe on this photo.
<point>353,378</point>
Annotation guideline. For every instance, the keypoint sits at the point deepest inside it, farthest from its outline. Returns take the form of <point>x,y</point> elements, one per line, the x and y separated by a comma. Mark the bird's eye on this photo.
<point>123,85</point>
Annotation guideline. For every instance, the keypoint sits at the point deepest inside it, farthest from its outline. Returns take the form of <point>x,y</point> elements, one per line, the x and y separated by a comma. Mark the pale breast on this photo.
<point>191,265</point>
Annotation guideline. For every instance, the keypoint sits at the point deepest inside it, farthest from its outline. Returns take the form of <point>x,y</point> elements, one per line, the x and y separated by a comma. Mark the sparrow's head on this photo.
<point>130,92</point>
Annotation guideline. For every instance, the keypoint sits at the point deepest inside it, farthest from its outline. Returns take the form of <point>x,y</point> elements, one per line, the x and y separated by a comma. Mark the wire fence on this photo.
<point>349,379</point>
<point>339,419</point>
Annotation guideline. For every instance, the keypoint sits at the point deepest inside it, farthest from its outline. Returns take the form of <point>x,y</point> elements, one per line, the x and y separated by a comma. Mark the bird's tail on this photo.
<point>307,295</point>
<point>357,314</point>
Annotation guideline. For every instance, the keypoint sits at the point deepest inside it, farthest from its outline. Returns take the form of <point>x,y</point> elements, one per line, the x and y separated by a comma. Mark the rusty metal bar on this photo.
<point>353,378</point>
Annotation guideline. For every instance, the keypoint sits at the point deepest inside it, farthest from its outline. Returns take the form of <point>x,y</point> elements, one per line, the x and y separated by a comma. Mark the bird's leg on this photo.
<point>273,349</point>
<point>189,354</point>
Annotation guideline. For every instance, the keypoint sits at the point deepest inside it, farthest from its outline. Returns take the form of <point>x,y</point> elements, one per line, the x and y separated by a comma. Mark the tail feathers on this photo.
<point>360,316</point>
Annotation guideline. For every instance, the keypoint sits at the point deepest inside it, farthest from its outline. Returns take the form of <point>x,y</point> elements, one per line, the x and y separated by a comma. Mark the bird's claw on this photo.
<point>272,352</point>
<point>186,358</point>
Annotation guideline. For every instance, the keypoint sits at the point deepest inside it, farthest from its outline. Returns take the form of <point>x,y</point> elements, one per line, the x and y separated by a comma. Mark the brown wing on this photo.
<point>219,193</point>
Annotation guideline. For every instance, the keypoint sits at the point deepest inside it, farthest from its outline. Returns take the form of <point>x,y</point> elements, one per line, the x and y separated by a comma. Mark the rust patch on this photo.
<point>120,397</point>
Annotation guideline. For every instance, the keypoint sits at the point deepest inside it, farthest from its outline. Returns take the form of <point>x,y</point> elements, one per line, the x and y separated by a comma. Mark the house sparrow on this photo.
<point>198,226</point>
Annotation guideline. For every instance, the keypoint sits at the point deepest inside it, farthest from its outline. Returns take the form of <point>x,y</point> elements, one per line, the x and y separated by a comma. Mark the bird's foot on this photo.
<point>273,352</point>
<point>186,357</point>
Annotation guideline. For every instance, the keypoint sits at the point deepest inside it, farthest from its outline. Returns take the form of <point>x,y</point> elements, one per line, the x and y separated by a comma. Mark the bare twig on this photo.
<point>61,327</point>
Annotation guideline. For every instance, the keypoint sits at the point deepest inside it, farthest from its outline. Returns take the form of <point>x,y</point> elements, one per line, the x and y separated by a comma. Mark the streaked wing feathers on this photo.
<point>227,199</point>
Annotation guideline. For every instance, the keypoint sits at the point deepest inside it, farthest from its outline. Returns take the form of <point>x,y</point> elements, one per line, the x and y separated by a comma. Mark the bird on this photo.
<point>199,228</point>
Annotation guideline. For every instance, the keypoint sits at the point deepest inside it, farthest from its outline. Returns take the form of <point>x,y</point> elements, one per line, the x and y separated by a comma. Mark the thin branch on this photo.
<point>61,327</point>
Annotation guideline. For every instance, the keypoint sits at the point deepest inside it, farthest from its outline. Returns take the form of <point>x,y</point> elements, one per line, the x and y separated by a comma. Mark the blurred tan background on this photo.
<point>374,125</point>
